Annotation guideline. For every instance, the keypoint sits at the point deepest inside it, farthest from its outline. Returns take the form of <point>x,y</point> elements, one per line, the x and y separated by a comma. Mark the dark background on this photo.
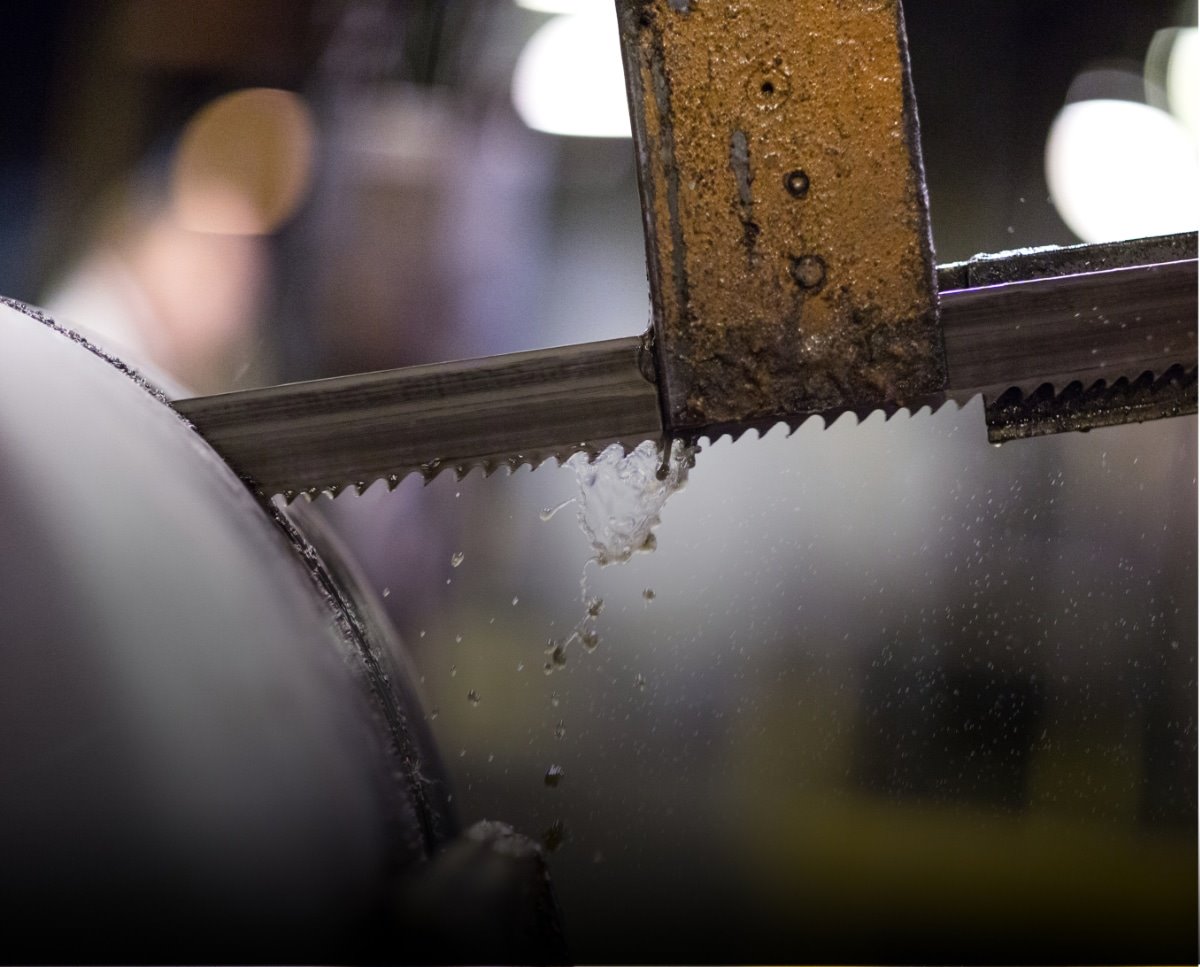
<point>898,697</point>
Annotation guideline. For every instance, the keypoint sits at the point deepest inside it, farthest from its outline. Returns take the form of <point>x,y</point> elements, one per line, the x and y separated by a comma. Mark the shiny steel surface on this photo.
<point>504,411</point>
<point>1096,326</point>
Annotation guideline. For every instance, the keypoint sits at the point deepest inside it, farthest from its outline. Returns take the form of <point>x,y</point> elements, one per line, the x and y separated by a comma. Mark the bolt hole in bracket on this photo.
<point>787,226</point>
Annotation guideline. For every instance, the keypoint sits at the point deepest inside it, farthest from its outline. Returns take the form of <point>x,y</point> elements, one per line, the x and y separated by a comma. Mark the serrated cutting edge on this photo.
<point>735,432</point>
<point>499,413</point>
<point>1075,352</point>
<point>432,470</point>
<point>1049,409</point>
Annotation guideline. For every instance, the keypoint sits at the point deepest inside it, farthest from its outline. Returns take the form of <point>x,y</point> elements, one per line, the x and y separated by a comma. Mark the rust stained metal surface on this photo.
<point>786,221</point>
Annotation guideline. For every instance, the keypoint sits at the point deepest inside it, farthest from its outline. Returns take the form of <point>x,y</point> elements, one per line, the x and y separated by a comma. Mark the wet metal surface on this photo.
<point>787,227</point>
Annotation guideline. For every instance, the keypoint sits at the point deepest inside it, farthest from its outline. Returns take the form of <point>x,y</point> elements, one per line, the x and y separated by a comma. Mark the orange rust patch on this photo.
<point>787,229</point>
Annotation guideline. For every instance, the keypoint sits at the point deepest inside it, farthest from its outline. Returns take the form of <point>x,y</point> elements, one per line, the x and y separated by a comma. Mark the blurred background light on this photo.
<point>569,79</point>
<point>243,163</point>
<point>565,6</point>
<point>1119,169</point>
<point>1183,78</point>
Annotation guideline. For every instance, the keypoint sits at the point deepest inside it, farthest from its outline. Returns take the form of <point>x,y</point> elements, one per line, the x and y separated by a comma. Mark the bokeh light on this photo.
<point>565,6</point>
<point>1118,169</point>
<point>569,79</point>
<point>244,163</point>
<point>1183,78</point>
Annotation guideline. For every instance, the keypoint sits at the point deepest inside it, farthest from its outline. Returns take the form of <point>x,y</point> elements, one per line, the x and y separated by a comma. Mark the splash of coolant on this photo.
<point>620,501</point>
<point>621,496</point>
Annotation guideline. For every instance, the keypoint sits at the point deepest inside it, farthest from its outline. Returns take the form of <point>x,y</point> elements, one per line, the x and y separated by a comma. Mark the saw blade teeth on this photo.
<point>1051,407</point>
<point>1054,389</point>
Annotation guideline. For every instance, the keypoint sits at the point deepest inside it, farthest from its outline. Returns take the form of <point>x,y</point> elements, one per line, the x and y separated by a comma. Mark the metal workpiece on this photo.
<point>499,412</point>
<point>786,221</point>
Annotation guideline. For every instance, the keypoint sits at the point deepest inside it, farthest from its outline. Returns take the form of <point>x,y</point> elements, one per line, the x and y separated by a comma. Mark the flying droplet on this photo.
<point>433,712</point>
<point>473,697</point>
<point>590,639</point>
<point>386,592</point>
<point>515,600</point>
<point>594,607</point>
<point>453,671</point>
<point>456,558</point>
<point>554,699</point>
<point>649,594</point>
<point>639,682</point>
<point>549,512</point>
<point>559,655</point>
<point>554,776</point>
<point>560,730</point>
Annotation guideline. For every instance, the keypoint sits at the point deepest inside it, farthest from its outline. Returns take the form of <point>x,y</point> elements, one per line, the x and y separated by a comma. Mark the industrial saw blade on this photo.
<point>1052,339</point>
<point>499,413</point>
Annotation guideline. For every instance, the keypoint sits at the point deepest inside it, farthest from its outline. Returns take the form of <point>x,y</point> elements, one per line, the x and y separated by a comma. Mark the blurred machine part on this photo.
<point>210,749</point>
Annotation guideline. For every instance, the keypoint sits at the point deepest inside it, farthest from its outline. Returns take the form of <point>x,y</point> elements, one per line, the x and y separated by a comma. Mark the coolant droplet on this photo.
<point>473,697</point>
<point>549,512</point>
<point>649,594</point>
<point>456,558</point>
<point>560,730</point>
<point>621,496</point>
<point>554,776</point>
